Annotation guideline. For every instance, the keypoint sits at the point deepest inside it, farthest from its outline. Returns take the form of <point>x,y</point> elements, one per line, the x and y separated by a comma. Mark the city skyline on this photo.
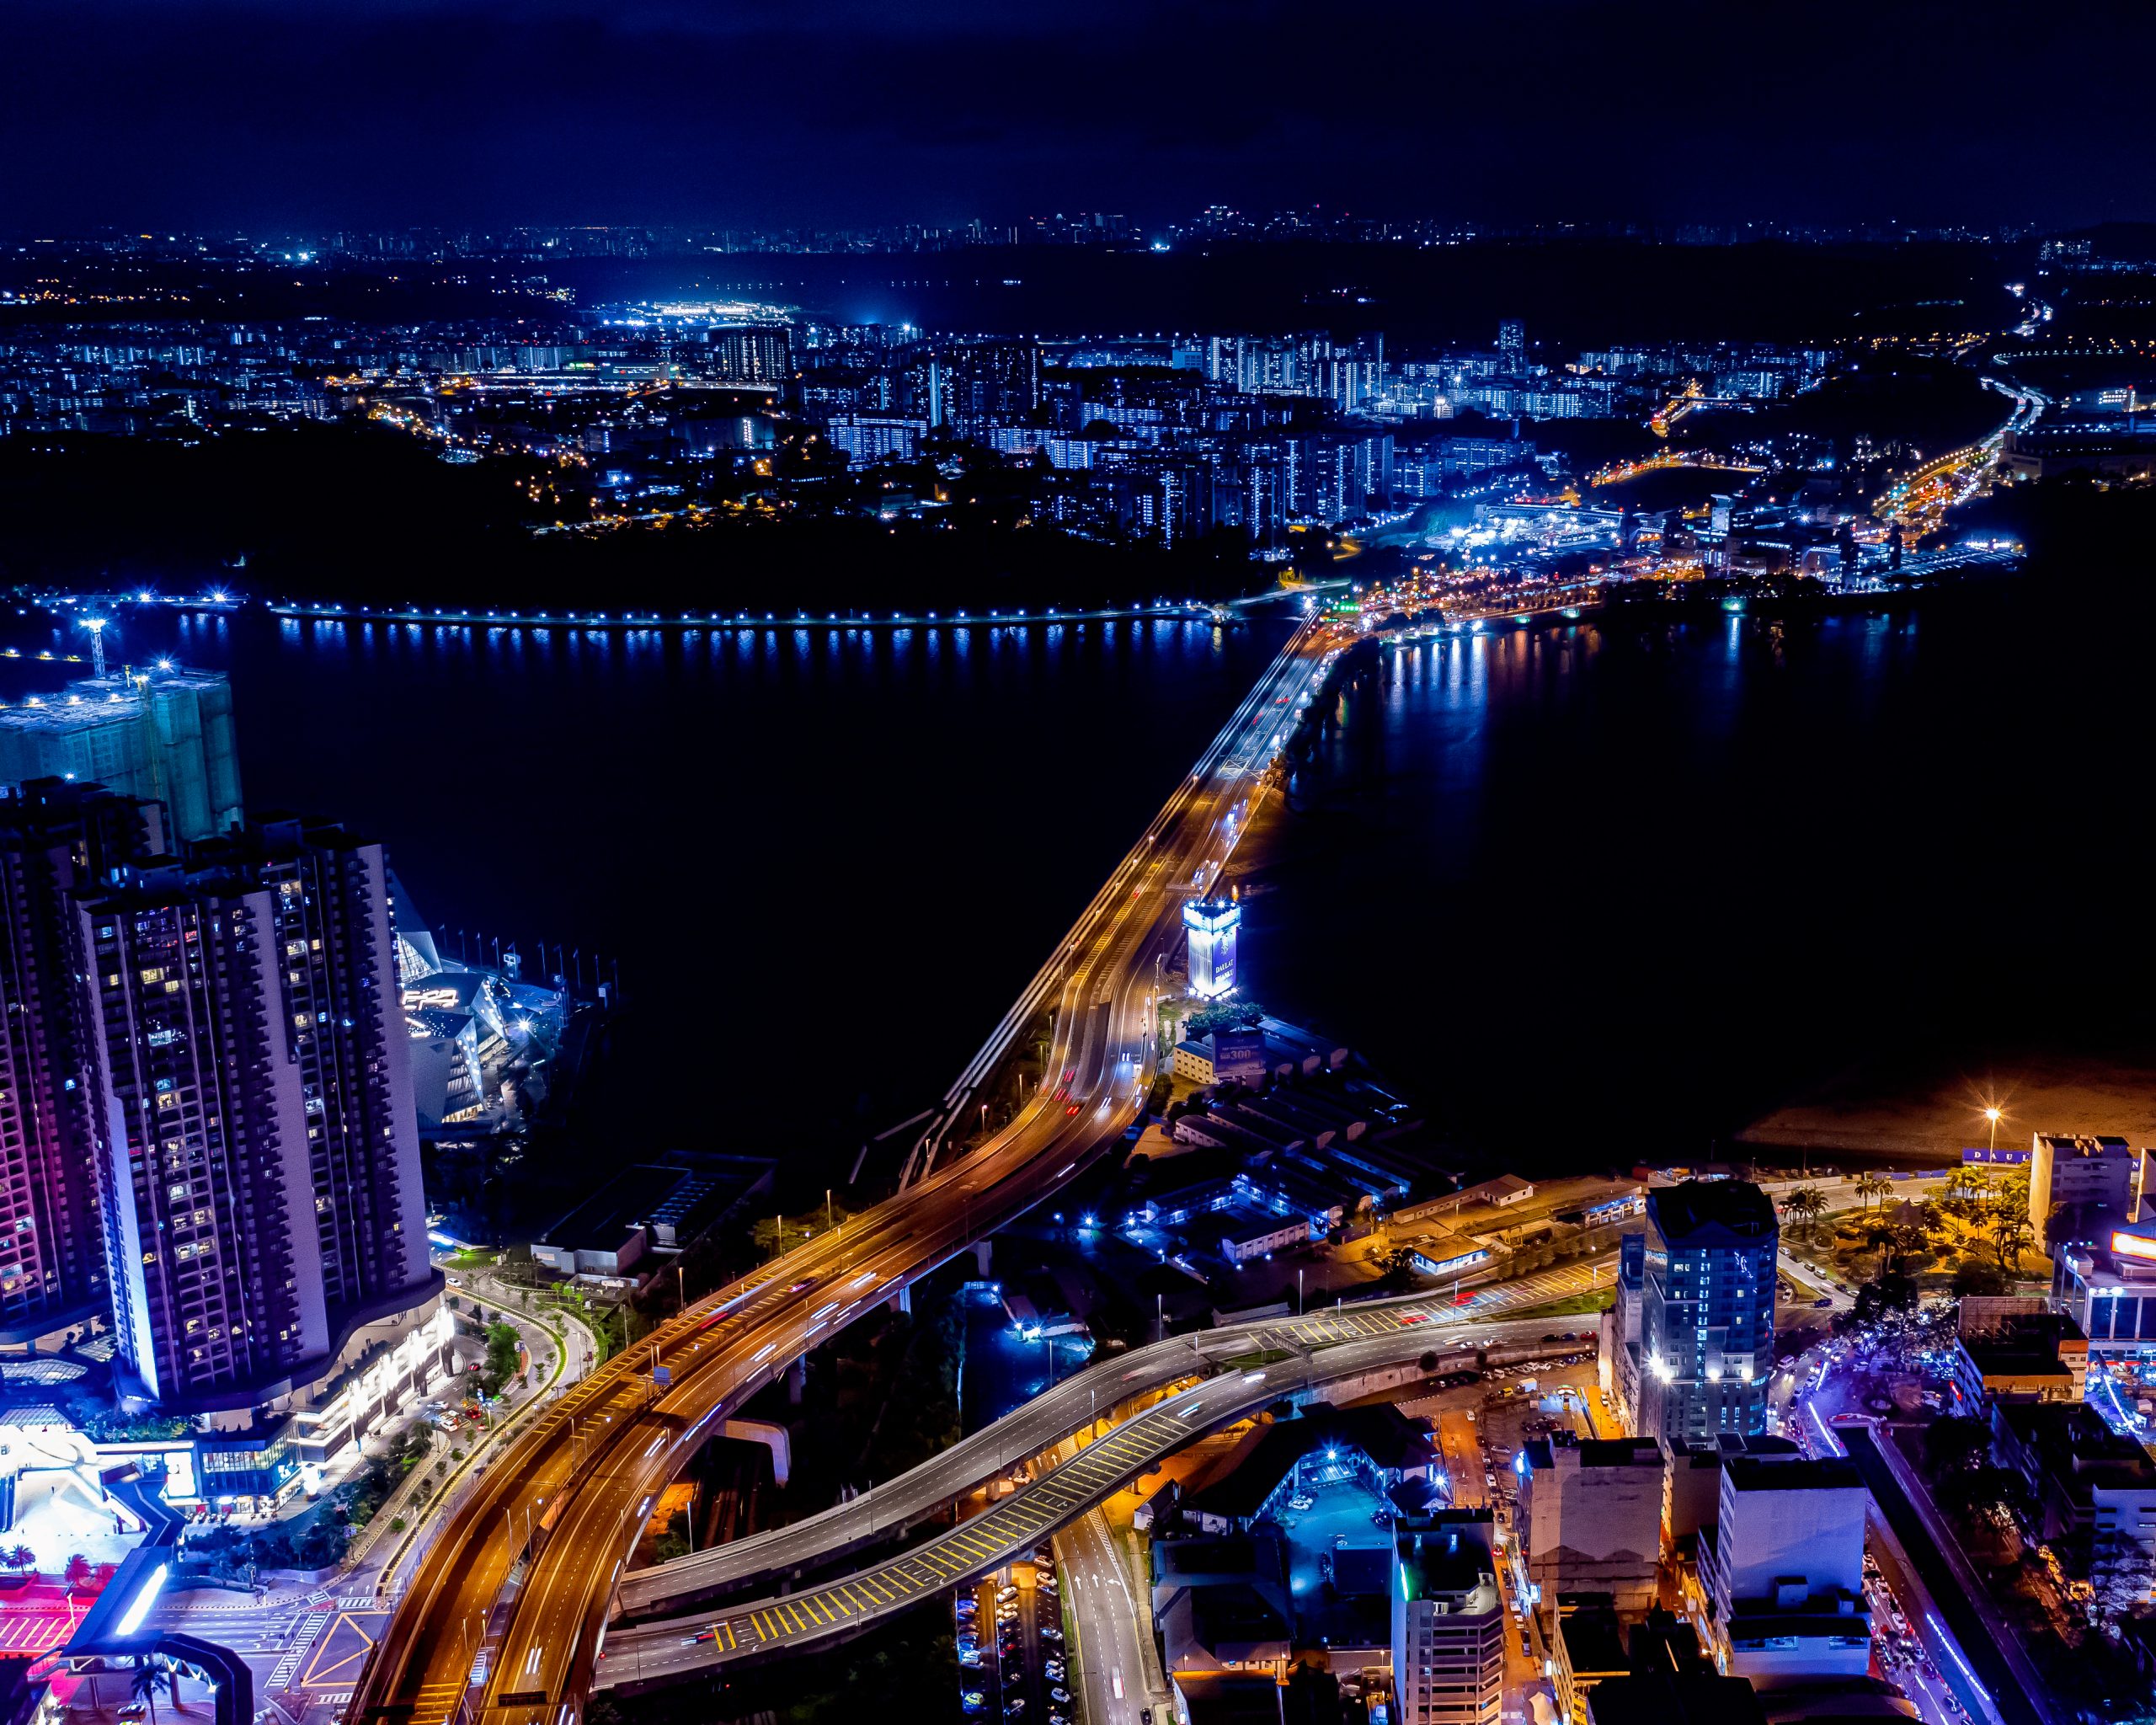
<point>1250,844</point>
<point>847,114</point>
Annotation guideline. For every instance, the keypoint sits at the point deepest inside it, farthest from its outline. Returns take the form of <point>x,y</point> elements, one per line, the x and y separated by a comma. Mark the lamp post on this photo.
<point>1991,1114</point>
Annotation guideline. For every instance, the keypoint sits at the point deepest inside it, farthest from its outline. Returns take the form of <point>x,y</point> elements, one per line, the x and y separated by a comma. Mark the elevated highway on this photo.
<point>792,1623</point>
<point>502,1617</point>
<point>1111,1391</point>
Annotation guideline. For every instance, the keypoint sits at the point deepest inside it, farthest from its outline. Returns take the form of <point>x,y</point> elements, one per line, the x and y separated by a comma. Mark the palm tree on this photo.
<point>2011,1230</point>
<point>22,1559</point>
<point>143,1684</point>
<point>77,1576</point>
<point>1871,1185</point>
<point>1882,1233</point>
<point>1806,1202</point>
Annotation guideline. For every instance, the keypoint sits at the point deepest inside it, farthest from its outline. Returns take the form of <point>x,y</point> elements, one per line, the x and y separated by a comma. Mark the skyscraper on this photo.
<point>1706,1309</point>
<point>752,354</point>
<point>263,1214</point>
<point>339,978</point>
<point>57,839</point>
<point>1512,347</point>
<point>217,1289</point>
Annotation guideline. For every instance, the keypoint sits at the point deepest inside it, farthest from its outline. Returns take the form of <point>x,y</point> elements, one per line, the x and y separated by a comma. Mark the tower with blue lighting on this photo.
<point>1212,924</point>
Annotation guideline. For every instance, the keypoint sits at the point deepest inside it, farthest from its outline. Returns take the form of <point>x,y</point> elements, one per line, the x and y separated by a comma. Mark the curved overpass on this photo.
<point>1105,1391</point>
<point>794,1623</point>
<point>463,1642</point>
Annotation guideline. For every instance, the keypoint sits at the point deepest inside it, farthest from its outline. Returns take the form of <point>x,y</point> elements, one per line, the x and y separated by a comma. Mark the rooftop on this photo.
<point>1663,1699</point>
<point>1700,1210</point>
<point>638,1195</point>
<point>1768,1473</point>
<point>1450,1559</point>
<point>2075,1446</point>
<point>1381,1432</point>
<point>2067,1144</point>
<point>1595,1641</point>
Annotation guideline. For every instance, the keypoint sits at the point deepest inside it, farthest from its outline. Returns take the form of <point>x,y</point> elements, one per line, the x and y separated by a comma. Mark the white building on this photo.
<point>1591,1516</point>
<point>1448,1624</point>
<point>2094,1173</point>
<point>1781,1573</point>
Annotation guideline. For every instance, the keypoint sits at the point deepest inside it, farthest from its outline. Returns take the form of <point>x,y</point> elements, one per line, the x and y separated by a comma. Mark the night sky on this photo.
<point>306,112</point>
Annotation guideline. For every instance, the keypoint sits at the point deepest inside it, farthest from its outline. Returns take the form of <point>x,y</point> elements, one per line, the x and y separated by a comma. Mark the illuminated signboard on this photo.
<point>2134,1246</point>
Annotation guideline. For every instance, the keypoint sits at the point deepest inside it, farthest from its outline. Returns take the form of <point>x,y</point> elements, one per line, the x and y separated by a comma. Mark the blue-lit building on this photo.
<point>1212,924</point>
<point>1701,1281</point>
<point>163,735</point>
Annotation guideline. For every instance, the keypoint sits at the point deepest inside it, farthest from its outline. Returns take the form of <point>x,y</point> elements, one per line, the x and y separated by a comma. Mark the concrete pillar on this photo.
<point>903,1300</point>
<point>981,1257</point>
<point>797,1381</point>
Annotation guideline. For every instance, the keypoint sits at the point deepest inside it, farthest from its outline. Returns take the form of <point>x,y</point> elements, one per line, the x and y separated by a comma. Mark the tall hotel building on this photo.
<point>1698,1286</point>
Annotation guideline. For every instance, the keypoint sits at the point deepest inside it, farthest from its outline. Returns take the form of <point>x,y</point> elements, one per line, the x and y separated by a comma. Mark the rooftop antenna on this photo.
<point>95,625</point>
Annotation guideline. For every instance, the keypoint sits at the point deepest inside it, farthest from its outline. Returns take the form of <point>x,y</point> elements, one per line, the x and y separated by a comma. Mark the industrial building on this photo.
<point>652,1207</point>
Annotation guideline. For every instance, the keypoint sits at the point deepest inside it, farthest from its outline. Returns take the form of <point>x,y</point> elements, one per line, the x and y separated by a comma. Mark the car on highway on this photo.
<point>709,1632</point>
<point>1073,1109</point>
<point>972,1700</point>
<point>1823,1300</point>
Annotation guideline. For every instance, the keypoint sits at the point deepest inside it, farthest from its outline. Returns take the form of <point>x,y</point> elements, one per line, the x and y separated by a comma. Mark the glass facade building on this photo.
<point>1706,1285</point>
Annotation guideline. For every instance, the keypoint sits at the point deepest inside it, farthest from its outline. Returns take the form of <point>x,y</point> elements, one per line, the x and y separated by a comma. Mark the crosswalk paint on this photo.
<point>282,1675</point>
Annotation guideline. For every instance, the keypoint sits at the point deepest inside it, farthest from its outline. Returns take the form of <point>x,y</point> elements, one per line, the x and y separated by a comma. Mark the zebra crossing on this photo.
<point>289,1665</point>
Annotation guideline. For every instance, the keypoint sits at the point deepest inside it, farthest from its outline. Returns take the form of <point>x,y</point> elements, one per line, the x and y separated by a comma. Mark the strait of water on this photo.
<point>1607,893</point>
<point>825,864</point>
<point>1592,893</point>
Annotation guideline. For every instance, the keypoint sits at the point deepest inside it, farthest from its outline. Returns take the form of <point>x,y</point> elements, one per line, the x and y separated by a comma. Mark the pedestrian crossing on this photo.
<point>281,1677</point>
<point>28,1632</point>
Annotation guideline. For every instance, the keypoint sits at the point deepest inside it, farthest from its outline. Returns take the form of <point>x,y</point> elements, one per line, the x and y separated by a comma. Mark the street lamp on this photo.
<point>1991,1114</point>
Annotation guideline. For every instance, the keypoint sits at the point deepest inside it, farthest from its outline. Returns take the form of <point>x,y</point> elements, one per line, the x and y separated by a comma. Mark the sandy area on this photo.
<point>1931,1116</point>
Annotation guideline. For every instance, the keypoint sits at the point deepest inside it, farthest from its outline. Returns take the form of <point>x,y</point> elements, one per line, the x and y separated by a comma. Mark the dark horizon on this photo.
<point>207,114</point>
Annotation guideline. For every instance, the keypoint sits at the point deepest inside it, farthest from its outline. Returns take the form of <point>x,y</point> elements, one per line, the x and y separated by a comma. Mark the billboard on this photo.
<point>1982,1154</point>
<point>1239,1055</point>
